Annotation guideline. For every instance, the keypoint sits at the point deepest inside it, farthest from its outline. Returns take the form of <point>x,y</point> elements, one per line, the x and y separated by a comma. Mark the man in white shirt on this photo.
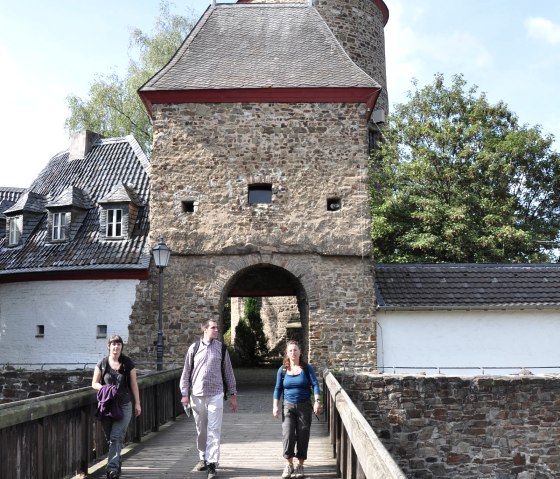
<point>205,375</point>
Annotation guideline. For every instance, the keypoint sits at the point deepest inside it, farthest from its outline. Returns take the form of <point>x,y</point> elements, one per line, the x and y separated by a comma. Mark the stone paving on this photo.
<point>251,446</point>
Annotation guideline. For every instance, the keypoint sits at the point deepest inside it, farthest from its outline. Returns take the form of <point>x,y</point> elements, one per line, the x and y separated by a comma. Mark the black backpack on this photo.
<point>224,348</point>
<point>126,372</point>
<point>307,375</point>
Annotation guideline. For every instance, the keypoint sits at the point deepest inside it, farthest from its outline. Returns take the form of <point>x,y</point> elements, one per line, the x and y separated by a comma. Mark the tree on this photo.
<point>114,107</point>
<point>457,179</point>
<point>250,341</point>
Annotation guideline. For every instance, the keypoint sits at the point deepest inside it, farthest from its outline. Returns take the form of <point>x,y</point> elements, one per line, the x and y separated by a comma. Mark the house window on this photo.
<point>260,193</point>
<point>114,223</point>
<point>40,331</point>
<point>101,331</point>
<point>16,227</point>
<point>58,226</point>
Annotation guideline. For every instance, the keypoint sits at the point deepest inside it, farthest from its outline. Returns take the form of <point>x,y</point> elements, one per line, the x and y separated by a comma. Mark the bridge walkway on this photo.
<point>251,446</point>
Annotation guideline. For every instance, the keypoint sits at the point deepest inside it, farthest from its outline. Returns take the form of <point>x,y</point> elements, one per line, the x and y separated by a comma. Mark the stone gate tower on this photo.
<point>259,172</point>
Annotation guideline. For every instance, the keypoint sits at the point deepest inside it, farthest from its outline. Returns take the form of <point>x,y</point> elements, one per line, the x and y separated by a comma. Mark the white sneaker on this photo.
<point>288,471</point>
<point>299,472</point>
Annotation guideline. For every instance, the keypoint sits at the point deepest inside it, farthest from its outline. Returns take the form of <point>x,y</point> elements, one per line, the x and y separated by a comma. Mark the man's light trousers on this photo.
<point>208,412</point>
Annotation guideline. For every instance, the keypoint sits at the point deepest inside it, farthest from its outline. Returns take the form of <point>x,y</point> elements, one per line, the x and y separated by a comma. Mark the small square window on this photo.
<point>260,193</point>
<point>334,204</point>
<point>101,331</point>
<point>40,331</point>
<point>189,206</point>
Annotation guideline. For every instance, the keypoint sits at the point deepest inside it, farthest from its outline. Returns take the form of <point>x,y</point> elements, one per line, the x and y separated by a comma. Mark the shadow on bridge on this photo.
<point>251,446</point>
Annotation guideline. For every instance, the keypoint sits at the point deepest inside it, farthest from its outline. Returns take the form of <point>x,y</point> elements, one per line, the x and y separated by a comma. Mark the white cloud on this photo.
<point>542,29</point>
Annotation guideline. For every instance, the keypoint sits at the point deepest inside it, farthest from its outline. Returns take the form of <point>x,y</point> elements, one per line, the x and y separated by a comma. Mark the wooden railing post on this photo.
<point>358,451</point>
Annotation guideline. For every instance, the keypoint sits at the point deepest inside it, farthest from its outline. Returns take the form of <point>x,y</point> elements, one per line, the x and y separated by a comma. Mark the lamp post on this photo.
<point>161,255</point>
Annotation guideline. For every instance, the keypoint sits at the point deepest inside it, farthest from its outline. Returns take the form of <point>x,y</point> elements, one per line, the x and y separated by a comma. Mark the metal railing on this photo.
<point>57,436</point>
<point>359,452</point>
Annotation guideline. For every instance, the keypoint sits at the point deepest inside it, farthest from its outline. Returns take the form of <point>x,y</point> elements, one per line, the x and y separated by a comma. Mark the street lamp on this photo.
<point>161,255</point>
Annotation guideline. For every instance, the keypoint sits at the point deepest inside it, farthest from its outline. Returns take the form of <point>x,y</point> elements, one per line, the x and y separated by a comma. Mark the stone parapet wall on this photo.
<point>16,384</point>
<point>450,427</point>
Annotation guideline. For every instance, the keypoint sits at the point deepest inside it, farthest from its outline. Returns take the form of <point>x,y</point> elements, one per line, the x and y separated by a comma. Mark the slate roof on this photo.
<point>8,197</point>
<point>109,164</point>
<point>228,50</point>
<point>467,286</point>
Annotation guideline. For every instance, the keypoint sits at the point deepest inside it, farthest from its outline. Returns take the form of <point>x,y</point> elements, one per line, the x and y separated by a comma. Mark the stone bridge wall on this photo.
<point>481,427</point>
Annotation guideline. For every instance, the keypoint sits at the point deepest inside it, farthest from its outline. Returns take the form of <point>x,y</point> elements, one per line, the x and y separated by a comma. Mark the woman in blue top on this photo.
<point>295,379</point>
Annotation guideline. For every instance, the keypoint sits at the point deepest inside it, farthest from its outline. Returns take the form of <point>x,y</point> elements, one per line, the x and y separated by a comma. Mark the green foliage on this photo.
<point>250,341</point>
<point>457,179</point>
<point>114,107</point>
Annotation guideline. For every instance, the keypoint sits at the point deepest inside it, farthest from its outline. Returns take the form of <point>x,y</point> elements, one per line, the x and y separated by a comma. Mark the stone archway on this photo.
<point>282,300</point>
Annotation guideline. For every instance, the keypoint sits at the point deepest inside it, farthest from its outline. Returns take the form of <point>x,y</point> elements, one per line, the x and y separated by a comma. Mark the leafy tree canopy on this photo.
<point>457,179</point>
<point>114,107</point>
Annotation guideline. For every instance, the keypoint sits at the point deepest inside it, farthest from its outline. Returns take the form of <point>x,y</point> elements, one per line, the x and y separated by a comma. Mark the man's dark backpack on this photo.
<point>224,348</point>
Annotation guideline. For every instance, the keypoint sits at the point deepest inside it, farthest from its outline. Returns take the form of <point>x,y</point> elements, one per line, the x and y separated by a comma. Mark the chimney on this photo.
<point>80,144</point>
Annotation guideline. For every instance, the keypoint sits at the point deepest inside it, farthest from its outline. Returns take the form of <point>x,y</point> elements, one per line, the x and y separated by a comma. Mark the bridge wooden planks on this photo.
<point>251,446</point>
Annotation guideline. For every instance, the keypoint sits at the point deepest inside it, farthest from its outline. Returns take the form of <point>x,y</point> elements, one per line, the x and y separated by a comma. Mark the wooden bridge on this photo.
<point>51,436</point>
<point>251,446</point>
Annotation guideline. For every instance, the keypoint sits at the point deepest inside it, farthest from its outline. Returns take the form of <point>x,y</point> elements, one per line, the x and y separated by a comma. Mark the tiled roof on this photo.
<point>467,286</point>
<point>83,183</point>
<point>228,50</point>
<point>8,197</point>
<point>10,194</point>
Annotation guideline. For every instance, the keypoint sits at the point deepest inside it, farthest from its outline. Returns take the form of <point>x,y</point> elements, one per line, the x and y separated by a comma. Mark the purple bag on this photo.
<point>108,406</point>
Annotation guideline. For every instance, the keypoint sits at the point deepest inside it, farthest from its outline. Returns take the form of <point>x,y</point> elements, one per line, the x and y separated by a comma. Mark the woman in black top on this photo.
<point>117,370</point>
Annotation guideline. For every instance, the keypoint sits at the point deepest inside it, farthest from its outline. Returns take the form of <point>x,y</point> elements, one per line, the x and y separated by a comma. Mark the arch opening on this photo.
<point>279,299</point>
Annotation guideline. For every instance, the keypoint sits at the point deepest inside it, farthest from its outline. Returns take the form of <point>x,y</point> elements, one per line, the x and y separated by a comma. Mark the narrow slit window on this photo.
<point>260,193</point>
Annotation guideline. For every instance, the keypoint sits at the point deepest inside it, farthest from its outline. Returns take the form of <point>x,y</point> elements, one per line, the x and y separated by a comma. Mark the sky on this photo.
<point>509,49</point>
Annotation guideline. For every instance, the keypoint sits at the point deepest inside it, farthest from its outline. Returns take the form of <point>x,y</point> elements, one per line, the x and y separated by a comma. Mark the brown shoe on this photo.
<point>201,466</point>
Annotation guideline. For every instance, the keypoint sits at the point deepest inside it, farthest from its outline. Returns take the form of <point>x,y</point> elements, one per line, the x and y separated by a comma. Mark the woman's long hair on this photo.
<point>286,362</point>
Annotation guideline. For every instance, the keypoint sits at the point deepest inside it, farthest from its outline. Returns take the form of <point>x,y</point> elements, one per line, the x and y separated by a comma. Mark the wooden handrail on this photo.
<point>359,452</point>
<point>34,431</point>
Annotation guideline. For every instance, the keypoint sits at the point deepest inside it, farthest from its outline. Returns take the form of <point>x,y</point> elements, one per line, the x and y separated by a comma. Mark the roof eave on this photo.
<point>489,307</point>
<point>367,95</point>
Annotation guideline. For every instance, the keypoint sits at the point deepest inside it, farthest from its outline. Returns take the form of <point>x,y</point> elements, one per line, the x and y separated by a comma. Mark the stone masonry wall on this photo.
<point>16,385</point>
<point>210,153</point>
<point>358,26</point>
<point>205,156</point>
<point>450,427</point>
<point>341,318</point>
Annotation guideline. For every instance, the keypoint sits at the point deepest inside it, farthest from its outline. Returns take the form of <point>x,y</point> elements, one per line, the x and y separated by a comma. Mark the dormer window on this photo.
<point>119,211</point>
<point>15,228</point>
<point>114,223</point>
<point>58,226</point>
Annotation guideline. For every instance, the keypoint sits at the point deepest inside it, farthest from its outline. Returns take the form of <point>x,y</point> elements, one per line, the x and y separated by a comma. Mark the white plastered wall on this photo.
<point>70,312</point>
<point>421,341</point>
